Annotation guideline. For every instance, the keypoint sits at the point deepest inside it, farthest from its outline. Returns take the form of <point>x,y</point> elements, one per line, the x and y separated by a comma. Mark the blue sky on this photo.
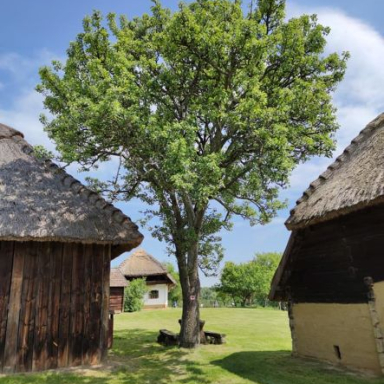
<point>32,33</point>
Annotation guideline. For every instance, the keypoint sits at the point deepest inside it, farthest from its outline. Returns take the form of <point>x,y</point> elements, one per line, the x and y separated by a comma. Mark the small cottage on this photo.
<point>141,264</point>
<point>332,271</point>
<point>117,284</point>
<point>57,239</point>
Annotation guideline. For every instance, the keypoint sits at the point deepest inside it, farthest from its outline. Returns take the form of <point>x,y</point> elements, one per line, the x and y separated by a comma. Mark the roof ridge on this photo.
<point>75,185</point>
<point>365,133</point>
<point>156,261</point>
<point>142,252</point>
<point>7,132</point>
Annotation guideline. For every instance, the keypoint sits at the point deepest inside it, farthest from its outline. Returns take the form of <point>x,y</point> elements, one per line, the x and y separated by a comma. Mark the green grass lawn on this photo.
<point>257,351</point>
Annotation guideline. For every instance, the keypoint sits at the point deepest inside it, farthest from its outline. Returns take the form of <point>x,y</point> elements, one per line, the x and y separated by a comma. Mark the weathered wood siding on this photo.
<point>53,304</point>
<point>116,300</point>
<point>329,261</point>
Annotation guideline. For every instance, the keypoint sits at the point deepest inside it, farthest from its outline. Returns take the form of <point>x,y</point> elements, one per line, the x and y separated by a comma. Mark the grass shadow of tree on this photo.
<point>145,361</point>
<point>135,358</point>
<point>279,367</point>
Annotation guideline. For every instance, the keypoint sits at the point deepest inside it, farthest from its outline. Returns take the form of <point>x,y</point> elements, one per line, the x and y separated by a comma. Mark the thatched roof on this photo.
<point>354,181</point>
<point>117,279</point>
<point>142,264</point>
<point>41,202</point>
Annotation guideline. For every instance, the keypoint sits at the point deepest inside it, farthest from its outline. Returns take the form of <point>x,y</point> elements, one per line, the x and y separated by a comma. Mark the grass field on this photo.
<point>257,351</point>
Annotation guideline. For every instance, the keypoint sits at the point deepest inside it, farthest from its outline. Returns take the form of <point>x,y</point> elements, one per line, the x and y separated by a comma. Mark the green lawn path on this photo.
<point>257,351</point>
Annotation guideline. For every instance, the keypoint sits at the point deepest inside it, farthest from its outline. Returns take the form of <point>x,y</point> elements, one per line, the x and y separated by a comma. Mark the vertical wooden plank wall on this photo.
<point>116,302</point>
<point>54,301</point>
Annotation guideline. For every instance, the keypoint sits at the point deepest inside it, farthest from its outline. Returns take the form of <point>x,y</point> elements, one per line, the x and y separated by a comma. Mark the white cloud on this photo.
<point>359,98</point>
<point>24,116</point>
<point>24,68</point>
<point>26,104</point>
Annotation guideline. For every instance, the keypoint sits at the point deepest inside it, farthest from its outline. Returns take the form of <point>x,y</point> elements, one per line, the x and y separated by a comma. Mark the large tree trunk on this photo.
<point>190,321</point>
<point>190,285</point>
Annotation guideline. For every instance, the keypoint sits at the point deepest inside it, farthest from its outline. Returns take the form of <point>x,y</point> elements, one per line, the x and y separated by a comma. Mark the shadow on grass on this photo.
<point>135,358</point>
<point>145,361</point>
<point>279,367</point>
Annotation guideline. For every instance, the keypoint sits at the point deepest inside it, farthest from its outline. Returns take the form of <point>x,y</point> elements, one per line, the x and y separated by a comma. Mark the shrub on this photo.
<point>134,295</point>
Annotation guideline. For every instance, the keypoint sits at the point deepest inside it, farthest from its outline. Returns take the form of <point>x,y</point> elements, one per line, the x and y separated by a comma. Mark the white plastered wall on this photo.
<point>162,300</point>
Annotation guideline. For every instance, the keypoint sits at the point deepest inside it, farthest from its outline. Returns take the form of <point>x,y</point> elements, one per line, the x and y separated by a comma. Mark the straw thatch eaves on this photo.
<point>117,279</point>
<point>41,202</point>
<point>354,181</point>
<point>142,264</point>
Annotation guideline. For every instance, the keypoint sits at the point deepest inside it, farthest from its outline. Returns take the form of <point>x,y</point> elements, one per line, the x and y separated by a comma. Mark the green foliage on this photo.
<point>174,295</point>
<point>266,265</point>
<point>134,295</point>
<point>250,281</point>
<point>42,153</point>
<point>208,110</point>
<point>208,297</point>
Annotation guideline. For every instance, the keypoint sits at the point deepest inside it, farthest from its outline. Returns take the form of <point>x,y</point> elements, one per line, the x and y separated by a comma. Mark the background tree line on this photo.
<point>244,284</point>
<point>248,283</point>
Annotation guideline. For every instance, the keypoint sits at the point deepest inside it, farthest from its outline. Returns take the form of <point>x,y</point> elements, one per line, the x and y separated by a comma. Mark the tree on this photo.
<point>246,282</point>
<point>239,281</point>
<point>174,295</point>
<point>134,295</point>
<point>208,296</point>
<point>266,264</point>
<point>207,109</point>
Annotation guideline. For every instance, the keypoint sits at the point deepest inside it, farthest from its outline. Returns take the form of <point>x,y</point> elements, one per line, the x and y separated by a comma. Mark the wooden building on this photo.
<point>141,264</point>
<point>332,271</point>
<point>57,239</point>
<point>117,284</point>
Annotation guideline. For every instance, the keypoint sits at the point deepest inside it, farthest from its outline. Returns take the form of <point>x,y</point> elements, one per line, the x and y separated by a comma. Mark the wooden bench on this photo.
<point>167,337</point>
<point>214,337</point>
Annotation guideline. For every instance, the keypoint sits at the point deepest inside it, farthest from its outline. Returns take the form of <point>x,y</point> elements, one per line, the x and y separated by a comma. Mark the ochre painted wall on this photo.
<point>319,328</point>
<point>378,289</point>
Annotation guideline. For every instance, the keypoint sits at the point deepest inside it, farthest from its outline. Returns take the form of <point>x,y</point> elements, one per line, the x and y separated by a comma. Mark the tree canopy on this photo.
<point>207,109</point>
<point>174,295</point>
<point>249,282</point>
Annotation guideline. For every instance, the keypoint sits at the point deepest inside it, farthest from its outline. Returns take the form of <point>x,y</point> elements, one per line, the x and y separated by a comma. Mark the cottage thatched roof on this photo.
<point>117,279</point>
<point>39,201</point>
<point>142,264</point>
<point>354,181</point>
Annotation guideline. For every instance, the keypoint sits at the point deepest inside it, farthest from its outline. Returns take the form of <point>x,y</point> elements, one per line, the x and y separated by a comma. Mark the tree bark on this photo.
<point>190,286</point>
<point>190,322</point>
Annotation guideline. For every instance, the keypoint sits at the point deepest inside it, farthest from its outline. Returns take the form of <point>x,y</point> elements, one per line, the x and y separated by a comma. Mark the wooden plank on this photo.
<point>87,281</point>
<point>6,254</point>
<point>54,306</point>
<point>10,353</point>
<point>41,314</point>
<point>335,257</point>
<point>65,305</point>
<point>96,303</point>
<point>105,302</point>
<point>77,302</point>
<point>34,252</point>
<point>27,313</point>
<point>116,299</point>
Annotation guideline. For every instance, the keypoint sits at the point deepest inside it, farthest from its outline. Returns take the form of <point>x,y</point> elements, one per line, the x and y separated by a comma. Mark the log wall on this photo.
<point>116,302</point>
<point>54,300</point>
<point>329,262</point>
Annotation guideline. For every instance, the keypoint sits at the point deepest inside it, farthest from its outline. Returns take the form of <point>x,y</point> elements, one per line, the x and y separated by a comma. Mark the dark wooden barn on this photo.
<point>57,240</point>
<point>117,284</point>
<point>332,271</point>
